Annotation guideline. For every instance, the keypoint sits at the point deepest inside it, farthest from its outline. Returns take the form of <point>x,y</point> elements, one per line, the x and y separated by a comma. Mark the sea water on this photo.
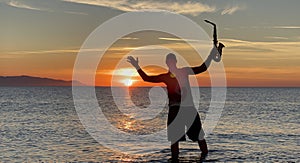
<point>40,124</point>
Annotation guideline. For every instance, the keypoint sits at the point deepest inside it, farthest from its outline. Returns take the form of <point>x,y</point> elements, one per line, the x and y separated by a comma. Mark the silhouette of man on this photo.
<point>182,112</point>
<point>180,101</point>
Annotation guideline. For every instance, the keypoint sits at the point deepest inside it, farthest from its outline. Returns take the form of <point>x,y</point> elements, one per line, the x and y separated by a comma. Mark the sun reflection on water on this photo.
<point>128,125</point>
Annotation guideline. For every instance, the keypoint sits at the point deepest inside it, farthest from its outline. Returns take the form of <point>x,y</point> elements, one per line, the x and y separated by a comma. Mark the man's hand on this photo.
<point>214,52</point>
<point>134,62</point>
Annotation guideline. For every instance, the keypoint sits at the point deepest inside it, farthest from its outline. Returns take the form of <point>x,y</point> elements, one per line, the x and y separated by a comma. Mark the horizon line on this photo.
<point>134,86</point>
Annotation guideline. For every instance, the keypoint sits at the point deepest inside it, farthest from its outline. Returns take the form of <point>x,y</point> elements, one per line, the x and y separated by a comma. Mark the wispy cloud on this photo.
<point>129,38</point>
<point>59,51</point>
<point>286,27</point>
<point>177,39</point>
<point>243,42</point>
<point>276,38</point>
<point>21,5</point>
<point>190,8</point>
<point>270,27</point>
<point>282,52</point>
<point>75,13</point>
<point>231,9</point>
<point>64,51</point>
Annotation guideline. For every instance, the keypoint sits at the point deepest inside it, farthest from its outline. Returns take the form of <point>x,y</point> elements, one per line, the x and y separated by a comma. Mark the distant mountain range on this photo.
<point>34,81</point>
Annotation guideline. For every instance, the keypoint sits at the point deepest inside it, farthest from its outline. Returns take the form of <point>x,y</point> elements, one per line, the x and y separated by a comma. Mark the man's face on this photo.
<point>171,62</point>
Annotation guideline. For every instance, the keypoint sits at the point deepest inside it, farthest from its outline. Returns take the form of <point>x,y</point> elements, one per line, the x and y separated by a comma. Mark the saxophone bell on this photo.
<point>217,57</point>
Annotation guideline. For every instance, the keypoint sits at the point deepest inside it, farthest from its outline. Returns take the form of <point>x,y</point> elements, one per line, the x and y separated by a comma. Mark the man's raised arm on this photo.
<point>204,66</point>
<point>145,77</point>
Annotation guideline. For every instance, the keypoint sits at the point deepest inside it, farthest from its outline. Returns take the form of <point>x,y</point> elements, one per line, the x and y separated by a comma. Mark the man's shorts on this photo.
<point>181,117</point>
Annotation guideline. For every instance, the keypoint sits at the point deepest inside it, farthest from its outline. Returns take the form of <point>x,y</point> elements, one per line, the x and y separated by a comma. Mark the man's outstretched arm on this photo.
<point>145,77</point>
<point>204,66</point>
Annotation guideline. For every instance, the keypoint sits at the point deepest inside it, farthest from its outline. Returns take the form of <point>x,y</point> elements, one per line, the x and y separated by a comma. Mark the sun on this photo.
<point>127,82</point>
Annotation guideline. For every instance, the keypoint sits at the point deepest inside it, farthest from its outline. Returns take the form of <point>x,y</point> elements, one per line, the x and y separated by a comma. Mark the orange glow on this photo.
<point>247,64</point>
<point>125,72</point>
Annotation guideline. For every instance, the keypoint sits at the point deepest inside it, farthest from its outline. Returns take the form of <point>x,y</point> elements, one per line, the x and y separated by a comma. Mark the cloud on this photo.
<point>177,39</point>
<point>273,53</point>
<point>75,13</point>
<point>258,43</point>
<point>59,51</point>
<point>230,10</point>
<point>276,38</point>
<point>18,4</point>
<point>190,8</point>
<point>129,38</point>
<point>286,27</point>
<point>270,27</point>
<point>249,48</point>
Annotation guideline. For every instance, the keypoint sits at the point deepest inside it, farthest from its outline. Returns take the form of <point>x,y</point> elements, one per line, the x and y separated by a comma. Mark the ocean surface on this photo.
<point>40,124</point>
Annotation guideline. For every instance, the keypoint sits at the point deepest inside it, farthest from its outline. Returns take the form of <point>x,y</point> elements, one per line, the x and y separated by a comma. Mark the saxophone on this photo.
<point>219,47</point>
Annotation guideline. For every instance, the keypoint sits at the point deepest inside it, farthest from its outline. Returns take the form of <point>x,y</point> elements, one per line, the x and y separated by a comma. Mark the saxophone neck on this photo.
<point>215,35</point>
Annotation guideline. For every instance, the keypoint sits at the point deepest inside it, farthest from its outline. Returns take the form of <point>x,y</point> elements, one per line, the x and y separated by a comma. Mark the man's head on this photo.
<point>171,60</point>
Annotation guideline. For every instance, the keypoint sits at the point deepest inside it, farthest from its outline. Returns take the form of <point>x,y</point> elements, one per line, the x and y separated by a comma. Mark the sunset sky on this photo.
<point>42,38</point>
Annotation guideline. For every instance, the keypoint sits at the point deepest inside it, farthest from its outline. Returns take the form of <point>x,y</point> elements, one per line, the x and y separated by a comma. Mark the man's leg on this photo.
<point>203,148</point>
<point>175,150</point>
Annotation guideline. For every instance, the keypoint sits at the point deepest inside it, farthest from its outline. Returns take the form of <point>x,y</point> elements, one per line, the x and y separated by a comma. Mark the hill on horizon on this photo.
<point>25,80</point>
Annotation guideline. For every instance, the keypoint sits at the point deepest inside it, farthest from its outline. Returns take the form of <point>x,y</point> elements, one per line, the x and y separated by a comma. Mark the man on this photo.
<point>182,111</point>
